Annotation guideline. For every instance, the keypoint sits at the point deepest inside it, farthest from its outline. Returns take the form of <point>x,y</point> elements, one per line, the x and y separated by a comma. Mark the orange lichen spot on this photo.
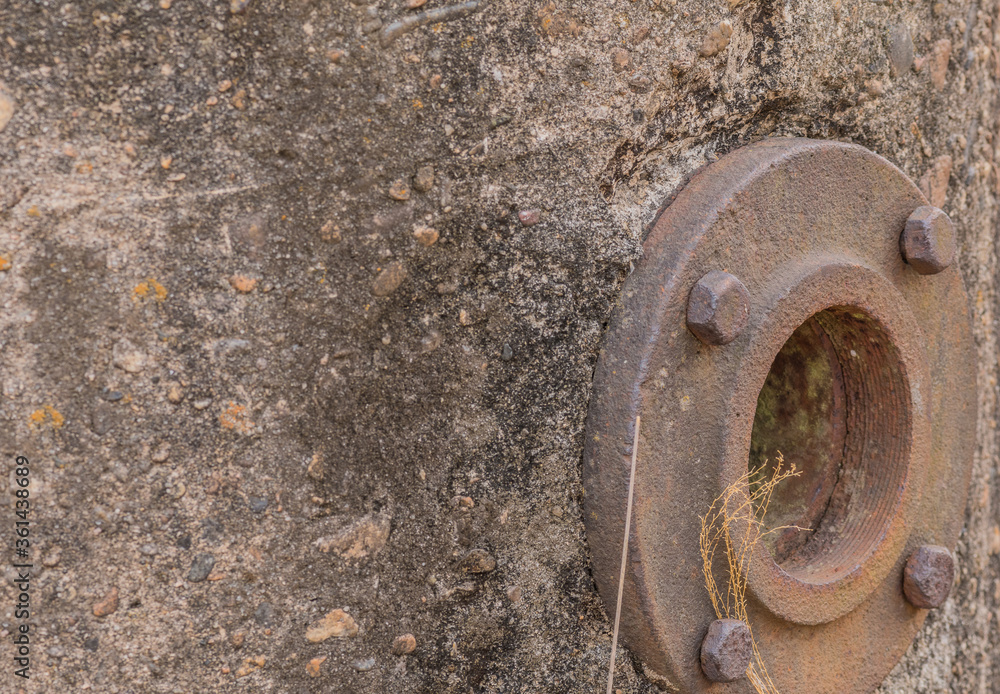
<point>5,262</point>
<point>236,418</point>
<point>242,283</point>
<point>149,288</point>
<point>417,103</point>
<point>33,211</point>
<point>46,415</point>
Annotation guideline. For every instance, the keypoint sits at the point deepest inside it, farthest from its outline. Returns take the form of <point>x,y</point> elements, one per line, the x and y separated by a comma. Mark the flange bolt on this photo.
<point>928,576</point>
<point>726,650</point>
<point>928,240</point>
<point>718,308</point>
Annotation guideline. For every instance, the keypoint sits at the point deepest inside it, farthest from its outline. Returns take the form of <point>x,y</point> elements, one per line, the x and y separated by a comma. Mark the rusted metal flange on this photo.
<point>857,365</point>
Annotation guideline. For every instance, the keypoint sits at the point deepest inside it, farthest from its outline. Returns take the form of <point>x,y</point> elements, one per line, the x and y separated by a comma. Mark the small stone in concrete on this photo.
<point>389,279</point>
<point>201,567</point>
<point>212,530</point>
<point>330,233</point>
<point>112,395</point>
<point>312,668</point>
<point>460,501</point>
<point>640,84</point>
<point>399,190</point>
<point>529,217</point>
<point>161,454</point>
<point>175,489</point>
<point>404,644</point>
<point>425,236</point>
<point>364,537</point>
<point>940,55</point>
<point>108,605</point>
<point>103,419</point>
<point>316,468</point>
<point>336,624</point>
<point>242,283</point>
<point>251,665</point>
<point>364,664</point>
<point>620,59</point>
<point>900,50</point>
<point>6,109</point>
<point>431,341</point>
<point>175,393</point>
<point>264,614</point>
<point>424,180</point>
<point>127,357</point>
<point>717,39</point>
<point>478,561</point>
<point>507,354</point>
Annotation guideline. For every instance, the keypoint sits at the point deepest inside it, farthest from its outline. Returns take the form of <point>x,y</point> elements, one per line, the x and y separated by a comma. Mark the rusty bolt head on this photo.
<point>726,650</point>
<point>718,308</point>
<point>928,576</point>
<point>928,240</point>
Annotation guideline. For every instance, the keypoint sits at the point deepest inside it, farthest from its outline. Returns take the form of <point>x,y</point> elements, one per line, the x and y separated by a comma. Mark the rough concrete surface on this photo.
<point>300,309</point>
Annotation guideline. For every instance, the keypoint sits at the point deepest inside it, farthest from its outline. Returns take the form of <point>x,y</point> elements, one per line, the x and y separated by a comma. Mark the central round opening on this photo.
<point>836,405</point>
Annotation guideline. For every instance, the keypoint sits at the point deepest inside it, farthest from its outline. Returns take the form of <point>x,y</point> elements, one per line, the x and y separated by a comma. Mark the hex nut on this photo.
<point>928,240</point>
<point>726,650</point>
<point>928,576</point>
<point>718,308</point>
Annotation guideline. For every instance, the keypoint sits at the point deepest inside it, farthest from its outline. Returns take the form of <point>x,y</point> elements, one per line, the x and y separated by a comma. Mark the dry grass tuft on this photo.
<point>741,505</point>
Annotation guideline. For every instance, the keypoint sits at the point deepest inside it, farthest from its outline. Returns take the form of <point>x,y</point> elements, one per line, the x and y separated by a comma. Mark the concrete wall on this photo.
<point>255,388</point>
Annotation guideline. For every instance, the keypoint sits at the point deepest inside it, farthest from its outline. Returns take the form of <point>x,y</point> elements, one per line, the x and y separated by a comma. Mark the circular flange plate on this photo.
<point>812,230</point>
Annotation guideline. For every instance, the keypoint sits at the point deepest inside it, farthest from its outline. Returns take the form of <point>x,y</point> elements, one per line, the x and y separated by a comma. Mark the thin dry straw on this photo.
<point>621,575</point>
<point>739,505</point>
